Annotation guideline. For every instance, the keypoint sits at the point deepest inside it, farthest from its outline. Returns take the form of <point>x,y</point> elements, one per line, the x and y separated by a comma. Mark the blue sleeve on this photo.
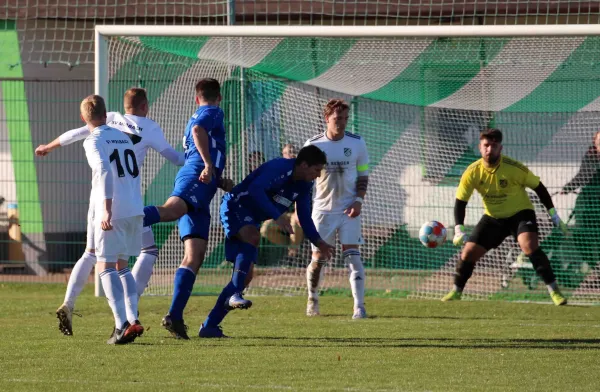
<point>257,189</point>
<point>205,121</point>
<point>303,208</point>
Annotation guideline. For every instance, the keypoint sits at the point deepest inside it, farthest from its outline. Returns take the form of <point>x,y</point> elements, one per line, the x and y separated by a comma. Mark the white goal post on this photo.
<point>409,87</point>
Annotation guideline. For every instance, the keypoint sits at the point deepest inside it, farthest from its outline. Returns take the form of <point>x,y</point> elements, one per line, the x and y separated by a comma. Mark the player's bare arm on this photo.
<point>105,224</point>
<point>201,140</point>
<point>355,208</point>
<point>44,149</point>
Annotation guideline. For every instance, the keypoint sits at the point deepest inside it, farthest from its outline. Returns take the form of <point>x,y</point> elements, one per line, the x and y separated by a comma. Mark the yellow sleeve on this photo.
<point>531,181</point>
<point>465,187</point>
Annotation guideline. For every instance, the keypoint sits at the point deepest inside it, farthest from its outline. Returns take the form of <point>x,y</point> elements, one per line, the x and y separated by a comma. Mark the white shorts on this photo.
<point>147,235</point>
<point>348,229</point>
<point>124,240</point>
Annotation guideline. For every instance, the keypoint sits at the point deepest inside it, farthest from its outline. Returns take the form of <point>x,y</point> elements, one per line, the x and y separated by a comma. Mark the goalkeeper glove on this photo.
<point>460,237</point>
<point>556,221</point>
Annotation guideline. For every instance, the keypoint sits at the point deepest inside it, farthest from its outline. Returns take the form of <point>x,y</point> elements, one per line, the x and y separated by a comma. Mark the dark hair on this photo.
<point>491,134</point>
<point>335,105</point>
<point>312,155</point>
<point>208,89</point>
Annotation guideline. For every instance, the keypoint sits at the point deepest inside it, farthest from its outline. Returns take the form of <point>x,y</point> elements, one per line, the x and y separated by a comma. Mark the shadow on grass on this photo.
<point>455,343</point>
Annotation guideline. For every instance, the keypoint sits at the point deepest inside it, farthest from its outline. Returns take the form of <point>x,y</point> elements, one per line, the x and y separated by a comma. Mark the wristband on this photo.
<point>359,199</point>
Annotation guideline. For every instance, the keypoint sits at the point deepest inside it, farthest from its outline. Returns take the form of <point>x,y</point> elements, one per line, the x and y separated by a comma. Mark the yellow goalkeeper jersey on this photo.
<point>502,187</point>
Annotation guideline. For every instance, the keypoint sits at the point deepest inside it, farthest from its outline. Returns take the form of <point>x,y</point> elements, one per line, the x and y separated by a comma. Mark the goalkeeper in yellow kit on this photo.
<point>501,182</point>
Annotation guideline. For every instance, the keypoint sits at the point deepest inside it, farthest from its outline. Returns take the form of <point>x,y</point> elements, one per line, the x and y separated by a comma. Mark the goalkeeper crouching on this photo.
<point>501,182</point>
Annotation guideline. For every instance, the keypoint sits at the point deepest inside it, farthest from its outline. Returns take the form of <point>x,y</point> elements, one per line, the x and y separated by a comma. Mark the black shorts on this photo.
<point>490,232</point>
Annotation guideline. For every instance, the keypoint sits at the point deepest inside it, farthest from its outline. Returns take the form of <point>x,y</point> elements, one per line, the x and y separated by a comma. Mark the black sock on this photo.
<point>541,264</point>
<point>464,270</point>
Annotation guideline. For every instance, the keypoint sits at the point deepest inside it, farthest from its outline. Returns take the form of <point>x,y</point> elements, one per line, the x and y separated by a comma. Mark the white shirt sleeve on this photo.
<point>176,157</point>
<point>362,163</point>
<point>100,164</point>
<point>162,146</point>
<point>73,135</point>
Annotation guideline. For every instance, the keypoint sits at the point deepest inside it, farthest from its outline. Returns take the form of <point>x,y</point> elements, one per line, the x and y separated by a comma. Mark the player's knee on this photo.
<point>529,246</point>
<point>317,255</point>
<point>173,209</point>
<point>252,239</point>
<point>122,263</point>
<point>472,252</point>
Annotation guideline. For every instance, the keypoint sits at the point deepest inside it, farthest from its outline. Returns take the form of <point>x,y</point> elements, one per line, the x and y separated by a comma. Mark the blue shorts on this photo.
<point>197,195</point>
<point>234,216</point>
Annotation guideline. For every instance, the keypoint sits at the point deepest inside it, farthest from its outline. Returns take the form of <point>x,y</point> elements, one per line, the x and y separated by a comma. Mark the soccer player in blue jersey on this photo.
<point>195,186</point>
<point>267,193</point>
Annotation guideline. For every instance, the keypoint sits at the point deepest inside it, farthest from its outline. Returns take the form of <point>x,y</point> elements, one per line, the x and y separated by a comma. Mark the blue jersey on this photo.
<point>270,190</point>
<point>210,118</point>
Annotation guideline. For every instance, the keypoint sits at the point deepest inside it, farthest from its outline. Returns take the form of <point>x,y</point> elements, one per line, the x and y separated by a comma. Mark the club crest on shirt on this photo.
<point>347,151</point>
<point>503,183</point>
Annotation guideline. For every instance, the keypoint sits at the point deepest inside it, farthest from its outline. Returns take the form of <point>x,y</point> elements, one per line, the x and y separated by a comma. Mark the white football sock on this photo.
<point>113,288</point>
<point>357,276</point>
<point>314,277</point>
<point>130,293</point>
<point>79,277</point>
<point>142,270</point>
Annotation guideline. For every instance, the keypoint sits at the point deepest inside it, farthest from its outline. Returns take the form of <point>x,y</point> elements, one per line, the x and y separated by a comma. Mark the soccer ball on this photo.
<point>432,234</point>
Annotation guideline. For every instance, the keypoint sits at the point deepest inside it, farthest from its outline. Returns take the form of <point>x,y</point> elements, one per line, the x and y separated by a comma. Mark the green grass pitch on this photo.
<point>406,345</point>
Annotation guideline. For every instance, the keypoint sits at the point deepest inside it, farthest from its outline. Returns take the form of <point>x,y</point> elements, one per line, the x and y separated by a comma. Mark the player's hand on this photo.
<point>460,237</point>
<point>42,150</point>
<point>284,224</point>
<point>207,174</point>
<point>226,184</point>
<point>556,221</point>
<point>354,210</point>
<point>326,250</point>
<point>105,224</point>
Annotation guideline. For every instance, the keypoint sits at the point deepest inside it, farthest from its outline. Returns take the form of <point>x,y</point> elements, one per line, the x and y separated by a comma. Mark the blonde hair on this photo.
<point>134,98</point>
<point>92,108</point>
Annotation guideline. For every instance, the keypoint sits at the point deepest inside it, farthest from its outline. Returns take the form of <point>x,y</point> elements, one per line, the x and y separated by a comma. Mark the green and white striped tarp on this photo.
<point>419,103</point>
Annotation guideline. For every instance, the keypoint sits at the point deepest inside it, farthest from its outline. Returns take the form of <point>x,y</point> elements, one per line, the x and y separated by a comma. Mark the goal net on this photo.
<point>419,102</point>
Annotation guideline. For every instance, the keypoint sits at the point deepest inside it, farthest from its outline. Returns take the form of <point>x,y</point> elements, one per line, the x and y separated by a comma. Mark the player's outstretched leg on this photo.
<point>314,276</point>
<point>357,281</point>
<point>231,296</point>
<point>77,280</point>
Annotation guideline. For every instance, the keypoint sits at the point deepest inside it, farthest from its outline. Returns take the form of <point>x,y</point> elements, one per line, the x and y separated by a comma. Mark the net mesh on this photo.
<point>419,104</point>
<point>62,32</point>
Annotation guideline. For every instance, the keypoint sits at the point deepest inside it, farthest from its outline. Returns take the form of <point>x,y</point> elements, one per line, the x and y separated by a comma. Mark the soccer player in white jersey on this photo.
<point>337,204</point>
<point>145,134</point>
<point>118,215</point>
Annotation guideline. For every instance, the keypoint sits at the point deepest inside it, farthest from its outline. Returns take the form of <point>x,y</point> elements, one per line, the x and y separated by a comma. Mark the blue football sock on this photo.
<point>246,256</point>
<point>184,283</point>
<point>218,313</point>
<point>151,215</point>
